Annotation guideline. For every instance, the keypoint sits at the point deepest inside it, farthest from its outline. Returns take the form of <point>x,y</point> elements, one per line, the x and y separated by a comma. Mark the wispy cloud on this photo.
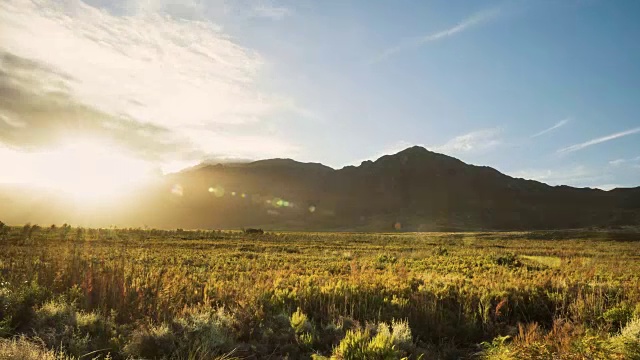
<point>270,11</point>
<point>578,175</point>
<point>607,187</point>
<point>619,162</point>
<point>559,124</point>
<point>480,140</point>
<point>474,141</point>
<point>473,20</point>
<point>9,121</point>
<point>599,140</point>
<point>387,150</point>
<point>156,76</point>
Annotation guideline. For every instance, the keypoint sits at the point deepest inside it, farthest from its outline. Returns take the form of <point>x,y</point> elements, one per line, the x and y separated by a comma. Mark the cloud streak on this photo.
<point>578,175</point>
<point>619,162</point>
<point>599,140</point>
<point>474,141</point>
<point>473,20</point>
<point>559,124</point>
<point>270,11</point>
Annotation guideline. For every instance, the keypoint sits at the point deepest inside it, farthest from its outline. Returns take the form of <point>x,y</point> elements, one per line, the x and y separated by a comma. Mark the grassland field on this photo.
<point>154,294</point>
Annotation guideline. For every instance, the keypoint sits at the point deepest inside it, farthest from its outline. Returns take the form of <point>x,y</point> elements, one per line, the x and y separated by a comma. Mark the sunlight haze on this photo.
<point>177,83</point>
<point>86,171</point>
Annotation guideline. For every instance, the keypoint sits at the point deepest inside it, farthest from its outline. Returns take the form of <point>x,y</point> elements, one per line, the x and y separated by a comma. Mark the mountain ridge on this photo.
<point>414,190</point>
<point>249,163</point>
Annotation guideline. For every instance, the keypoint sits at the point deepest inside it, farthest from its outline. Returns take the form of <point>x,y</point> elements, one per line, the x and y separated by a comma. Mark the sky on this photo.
<point>544,90</point>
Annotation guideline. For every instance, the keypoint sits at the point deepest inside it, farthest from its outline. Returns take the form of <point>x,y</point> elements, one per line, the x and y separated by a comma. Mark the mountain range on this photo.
<point>413,190</point>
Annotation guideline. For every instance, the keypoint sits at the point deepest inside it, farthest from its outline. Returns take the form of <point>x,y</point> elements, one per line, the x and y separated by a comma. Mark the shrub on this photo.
<point>23,349</point>
<point>382,260</point>
<point>440,251</point>
<point>627,343</point>
<point>381,346</point>
<point>388,343</point>
<point>618,316</point>
<point>302,328</point>
<point>17,306</point>
<point>202,334</point>
<point>56,315</point>
<point>564,342</point>
<point>196,334</point>
<point>154,342</point>
<point>402,335</point>
<point>508,259</point>
<point>300,322</point>
<point>58,324</point>
<point>354,346</point>
<point>4,231</point>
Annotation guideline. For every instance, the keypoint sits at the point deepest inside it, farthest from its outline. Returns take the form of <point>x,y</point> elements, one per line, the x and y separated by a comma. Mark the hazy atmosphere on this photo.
<point>319,180</point>
<point>542,90</point>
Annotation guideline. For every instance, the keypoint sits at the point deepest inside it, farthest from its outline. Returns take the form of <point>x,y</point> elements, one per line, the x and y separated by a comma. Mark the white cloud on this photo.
<point>392,149</point>
<point>608,187</point>
<point>473,20</point>
<point>270,11</point>
<point>156,69</point>
<point>183,9</point>
<point>10,121</point>
<point>599,140</point>
<point>619,162</point>
<point>578,175</point>
<point>480,140</point>
<point>559,124</point>
<point>387,150</point>
<point>474,141</point>
<point>240,146</point>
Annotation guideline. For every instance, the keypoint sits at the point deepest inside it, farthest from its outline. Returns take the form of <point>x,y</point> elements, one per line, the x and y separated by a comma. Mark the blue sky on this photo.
<point>546,90</point>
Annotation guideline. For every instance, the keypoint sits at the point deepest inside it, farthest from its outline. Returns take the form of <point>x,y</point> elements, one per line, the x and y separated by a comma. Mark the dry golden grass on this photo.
<point>175,293</point>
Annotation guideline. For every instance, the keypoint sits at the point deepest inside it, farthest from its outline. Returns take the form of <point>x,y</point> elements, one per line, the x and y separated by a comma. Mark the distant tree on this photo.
<point>65,230</point>
<point>26,231</point>
<point>80,234</point>
<point>34,229</point>
<point>254,231</point>
<point>4,231</point>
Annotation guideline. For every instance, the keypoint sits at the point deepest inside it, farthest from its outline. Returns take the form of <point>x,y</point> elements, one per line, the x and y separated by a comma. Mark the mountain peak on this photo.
<point>290,163</point>
<point>416,149</point>
<point>420,154</point>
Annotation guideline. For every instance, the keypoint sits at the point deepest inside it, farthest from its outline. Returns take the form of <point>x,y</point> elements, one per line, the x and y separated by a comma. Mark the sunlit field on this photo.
<point>133,293</point>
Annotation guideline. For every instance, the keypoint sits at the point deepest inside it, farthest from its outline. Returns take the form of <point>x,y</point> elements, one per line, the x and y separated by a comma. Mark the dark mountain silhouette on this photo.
<point>413,190</point>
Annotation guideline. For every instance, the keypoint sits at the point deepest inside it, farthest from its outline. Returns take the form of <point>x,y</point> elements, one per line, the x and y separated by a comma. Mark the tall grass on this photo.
<point>201,294</point>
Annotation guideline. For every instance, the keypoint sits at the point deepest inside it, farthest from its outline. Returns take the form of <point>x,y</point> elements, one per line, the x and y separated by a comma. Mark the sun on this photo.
<point>87,171</point>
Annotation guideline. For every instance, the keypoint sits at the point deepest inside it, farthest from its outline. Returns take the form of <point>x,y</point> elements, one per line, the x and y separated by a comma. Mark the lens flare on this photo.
<point>217,191</point>
<point>177,190</point>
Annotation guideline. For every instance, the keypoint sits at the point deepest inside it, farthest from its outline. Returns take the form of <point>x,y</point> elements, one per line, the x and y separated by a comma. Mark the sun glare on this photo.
<point>88,171</point>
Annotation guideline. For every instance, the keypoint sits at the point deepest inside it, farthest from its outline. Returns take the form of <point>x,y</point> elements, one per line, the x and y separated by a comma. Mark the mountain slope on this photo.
<point>413,190</point>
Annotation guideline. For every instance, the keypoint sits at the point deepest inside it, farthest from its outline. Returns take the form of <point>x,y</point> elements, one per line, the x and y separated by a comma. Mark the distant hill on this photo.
<point>413,190</point>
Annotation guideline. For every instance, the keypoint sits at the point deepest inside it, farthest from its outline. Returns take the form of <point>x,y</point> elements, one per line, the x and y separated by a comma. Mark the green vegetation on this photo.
<point>133,293</point>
